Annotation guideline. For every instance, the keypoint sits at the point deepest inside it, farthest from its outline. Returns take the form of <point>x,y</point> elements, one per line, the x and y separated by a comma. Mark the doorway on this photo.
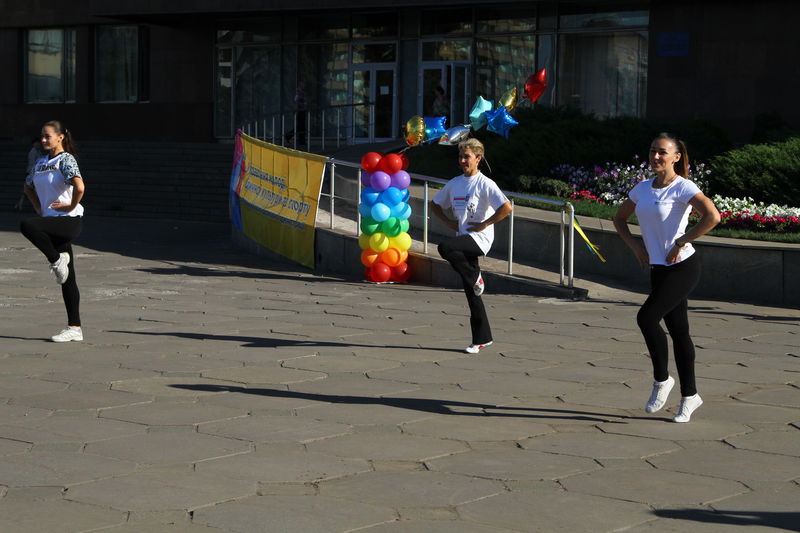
<point>373,85</point>
<point>453,77</point>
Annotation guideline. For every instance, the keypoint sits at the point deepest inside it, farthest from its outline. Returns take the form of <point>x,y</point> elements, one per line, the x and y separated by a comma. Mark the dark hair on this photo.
<point>68,143</point>
<point>682,164</point>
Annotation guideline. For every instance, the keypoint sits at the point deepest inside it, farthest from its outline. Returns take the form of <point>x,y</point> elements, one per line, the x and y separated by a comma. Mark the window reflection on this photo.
<point>50,66</point>
<point>117,64</point>
<point>605,74</point>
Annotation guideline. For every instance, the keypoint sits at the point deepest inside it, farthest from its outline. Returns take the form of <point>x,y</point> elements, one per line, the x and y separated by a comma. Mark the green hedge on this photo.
<point>547,137</point>
<point>765,172</point>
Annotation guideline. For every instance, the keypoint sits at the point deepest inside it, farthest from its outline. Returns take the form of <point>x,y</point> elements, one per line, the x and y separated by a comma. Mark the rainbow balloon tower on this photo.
<point>384,209</point>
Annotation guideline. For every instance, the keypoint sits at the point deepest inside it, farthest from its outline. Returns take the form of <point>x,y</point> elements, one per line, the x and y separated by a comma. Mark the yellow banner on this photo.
<point>276,195</point>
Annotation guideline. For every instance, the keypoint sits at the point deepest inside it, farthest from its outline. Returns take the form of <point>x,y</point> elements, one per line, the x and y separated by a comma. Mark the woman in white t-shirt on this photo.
<point>55,188</point>
<point>662,205</point>
<point>477,203</point>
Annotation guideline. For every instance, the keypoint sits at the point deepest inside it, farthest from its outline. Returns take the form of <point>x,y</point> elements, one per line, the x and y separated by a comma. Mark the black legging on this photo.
<point>462,253</point>
<point>53,235</point>
<point>670,288</point>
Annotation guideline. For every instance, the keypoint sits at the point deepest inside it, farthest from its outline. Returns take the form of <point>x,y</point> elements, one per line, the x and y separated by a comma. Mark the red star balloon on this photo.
<point>535,86</point>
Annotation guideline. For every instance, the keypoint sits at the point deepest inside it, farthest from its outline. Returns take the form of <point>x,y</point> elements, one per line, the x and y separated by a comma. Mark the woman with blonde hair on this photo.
<point>477,203</point>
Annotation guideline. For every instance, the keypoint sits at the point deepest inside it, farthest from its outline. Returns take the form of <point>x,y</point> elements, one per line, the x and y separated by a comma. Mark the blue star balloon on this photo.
<point>500,122</point>
<point>477,115</point>
<point>434,128</point>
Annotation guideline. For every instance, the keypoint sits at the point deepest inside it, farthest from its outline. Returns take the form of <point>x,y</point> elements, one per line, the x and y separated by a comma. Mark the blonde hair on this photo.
<point>473,145</point>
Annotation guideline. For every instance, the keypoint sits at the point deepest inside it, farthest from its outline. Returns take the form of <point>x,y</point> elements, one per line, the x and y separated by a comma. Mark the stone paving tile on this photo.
<point>719,460</point>
<point>167,447</point>
<point>13,447</point>
<point>652,426</point>
<point>785,442</point>
<point>279,465</point>
<point>655,487</point>
<point>154,490</point>
<point>475,428</point>
<point>55,516</point>
<point>335,363</point>
<point>260,429</point>
<point>787,396</point>
<point>54,468</point>
<point>76,399</point>
<point>79,426</point>
<point>555,510</point>
<point>174,414</point>
<point>400,490</point>
<point>513,465</point>
<point>387,447</point>
<point>600,446</point>
<point>293,514</point>
<point>427,526</point>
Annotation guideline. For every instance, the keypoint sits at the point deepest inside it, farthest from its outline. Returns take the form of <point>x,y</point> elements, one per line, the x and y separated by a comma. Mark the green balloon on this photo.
<point>404,225</point>
<point>391,227</point>
<point>369,225</point>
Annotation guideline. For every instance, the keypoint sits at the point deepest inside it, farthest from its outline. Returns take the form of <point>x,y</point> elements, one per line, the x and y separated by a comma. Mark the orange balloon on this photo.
<point>391,256</point>
<point>403,256</point>
<point>368,257</point>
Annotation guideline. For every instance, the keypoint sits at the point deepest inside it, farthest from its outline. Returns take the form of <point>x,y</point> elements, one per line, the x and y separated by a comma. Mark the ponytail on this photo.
<point>68,143</point>
<point>681,165</point>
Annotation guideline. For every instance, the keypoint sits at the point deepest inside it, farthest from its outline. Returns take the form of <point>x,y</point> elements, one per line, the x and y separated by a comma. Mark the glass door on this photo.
<point>445,91</point>
<point>373,85</point>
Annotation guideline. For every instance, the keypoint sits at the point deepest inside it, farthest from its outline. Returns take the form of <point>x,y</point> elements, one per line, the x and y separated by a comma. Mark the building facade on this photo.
<point>197,70</point>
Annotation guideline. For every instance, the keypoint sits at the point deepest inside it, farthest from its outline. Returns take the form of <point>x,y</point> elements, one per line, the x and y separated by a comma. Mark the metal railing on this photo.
<point>339,122</point>
<point>566,225</point>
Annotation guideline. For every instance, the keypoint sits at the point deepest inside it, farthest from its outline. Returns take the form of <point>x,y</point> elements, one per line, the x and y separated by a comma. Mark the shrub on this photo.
<point>547,186</point>
<point>765,172</point>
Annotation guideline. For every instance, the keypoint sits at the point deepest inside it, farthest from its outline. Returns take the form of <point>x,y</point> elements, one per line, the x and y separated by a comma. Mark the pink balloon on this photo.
<point>380,180</point>
<point>401,179</point>
<point>366,178</point>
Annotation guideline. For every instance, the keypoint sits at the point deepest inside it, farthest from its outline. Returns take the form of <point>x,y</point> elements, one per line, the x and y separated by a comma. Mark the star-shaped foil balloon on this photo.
<point>500,122</point>
<point>477,115</point>
<point>434,128</point>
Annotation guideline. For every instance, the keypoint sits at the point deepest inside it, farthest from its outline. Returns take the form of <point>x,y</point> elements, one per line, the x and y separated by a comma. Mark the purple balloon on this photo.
<point>401,179</point>
<point>380,180</point>
<point>366,178</point>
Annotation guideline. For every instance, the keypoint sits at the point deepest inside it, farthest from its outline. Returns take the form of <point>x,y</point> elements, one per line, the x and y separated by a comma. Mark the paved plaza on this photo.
<point>217,391</point>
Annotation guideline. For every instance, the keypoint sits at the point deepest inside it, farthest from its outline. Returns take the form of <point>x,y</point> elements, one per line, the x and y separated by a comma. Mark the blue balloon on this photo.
<point>406,195</point>
<point>369,196</point>
<point>365,210</point>
<point>401,211</point>
<point>391,196</point>
<point>499,121</point>
<point>477,115</point>
<point>381,212</point>
<point>434,128</point>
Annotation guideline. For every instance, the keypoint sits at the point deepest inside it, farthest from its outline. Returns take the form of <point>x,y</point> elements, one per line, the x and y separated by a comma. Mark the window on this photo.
<point>605,74</point>
<point>50,66</point>
<point>121,73</point>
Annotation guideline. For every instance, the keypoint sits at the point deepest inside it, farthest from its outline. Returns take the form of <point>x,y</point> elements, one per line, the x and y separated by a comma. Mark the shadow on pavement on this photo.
<point>789,521</point>
<point>263,342</point>
<point>428,405</point>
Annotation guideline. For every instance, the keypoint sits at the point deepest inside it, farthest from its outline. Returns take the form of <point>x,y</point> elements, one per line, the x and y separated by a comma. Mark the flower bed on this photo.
<point>611,183</point>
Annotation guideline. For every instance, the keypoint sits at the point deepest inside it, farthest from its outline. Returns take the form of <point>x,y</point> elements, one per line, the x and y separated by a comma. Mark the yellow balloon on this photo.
<point>415,130</point>
<point>509,99</point>
<point>379,242</point>
<point>402,242</point>
<point>363,241</point>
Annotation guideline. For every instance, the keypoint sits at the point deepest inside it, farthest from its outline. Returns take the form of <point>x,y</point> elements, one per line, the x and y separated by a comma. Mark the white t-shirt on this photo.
<point>663,215</point>
<point>52,180</point>
<point>472,199</point>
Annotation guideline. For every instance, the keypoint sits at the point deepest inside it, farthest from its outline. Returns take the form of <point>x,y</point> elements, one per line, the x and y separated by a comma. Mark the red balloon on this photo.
<point>401,272</point>
<point>391,163</point>
<point>368,274</point>
<point>535,85</point>
<point>404,157</point>
<point>370,161</point>
<point>380,272</point>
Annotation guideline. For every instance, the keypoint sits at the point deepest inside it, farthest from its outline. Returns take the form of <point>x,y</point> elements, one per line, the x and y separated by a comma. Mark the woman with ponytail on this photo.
<point>662,205</point>
<point>55,188</point>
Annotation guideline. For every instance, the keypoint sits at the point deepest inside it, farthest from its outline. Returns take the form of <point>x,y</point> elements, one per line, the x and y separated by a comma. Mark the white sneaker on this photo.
<point>688,406</point>
<point>478,287</point>
<point>475,348</point>
<point>68,334</point>
<point>61,268</point>
<point>659,395</point>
